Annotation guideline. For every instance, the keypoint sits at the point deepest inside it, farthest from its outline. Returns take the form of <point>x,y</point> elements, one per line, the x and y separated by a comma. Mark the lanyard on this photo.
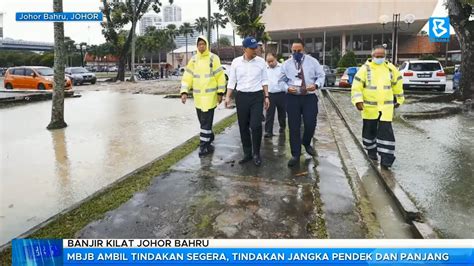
<point>300,65</point>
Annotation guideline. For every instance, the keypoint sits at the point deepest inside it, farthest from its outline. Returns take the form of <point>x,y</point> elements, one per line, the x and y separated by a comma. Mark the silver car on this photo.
<point>80,75</point>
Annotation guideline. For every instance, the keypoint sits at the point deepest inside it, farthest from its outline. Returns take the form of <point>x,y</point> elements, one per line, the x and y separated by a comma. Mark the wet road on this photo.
<point>109,135</point>
<point>434,165</point>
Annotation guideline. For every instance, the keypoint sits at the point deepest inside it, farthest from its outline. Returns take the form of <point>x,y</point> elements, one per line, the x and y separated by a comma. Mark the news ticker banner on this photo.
<point>240,252</point>
<point>59,17</point>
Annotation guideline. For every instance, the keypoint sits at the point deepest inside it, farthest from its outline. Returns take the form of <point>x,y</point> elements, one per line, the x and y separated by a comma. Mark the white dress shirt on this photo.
<point>249,76</point>
<point>273,77</point>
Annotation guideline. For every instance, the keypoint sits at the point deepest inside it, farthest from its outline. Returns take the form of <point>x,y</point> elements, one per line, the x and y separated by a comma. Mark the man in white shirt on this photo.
<point>277,97</point>
<point>249,73</point>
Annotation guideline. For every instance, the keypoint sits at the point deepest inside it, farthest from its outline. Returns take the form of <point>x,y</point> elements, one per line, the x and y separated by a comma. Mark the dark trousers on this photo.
<point>205,119</point>
<point>377,136</point>
<point>277,102</point>
<point>249,114</point>
<point>301,106</point>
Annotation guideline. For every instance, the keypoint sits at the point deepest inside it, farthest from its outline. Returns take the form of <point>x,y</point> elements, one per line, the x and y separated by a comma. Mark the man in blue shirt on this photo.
<point>301,75</point>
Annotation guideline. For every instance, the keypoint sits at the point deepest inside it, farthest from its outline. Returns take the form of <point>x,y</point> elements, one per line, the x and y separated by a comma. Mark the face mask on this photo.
<point>379,61</point>
<point>297,56</point>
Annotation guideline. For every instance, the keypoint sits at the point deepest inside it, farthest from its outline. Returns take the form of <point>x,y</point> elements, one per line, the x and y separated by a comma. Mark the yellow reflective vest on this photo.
<point>205,75</point>
<point>379,87</point>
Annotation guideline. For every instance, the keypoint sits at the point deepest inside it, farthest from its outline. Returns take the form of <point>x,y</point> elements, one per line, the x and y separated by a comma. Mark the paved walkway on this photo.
<point>215,197</point>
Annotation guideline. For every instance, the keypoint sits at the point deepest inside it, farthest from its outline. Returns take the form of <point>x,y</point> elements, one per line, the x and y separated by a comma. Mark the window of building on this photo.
<point>285,46</point>
<point>336,43</point>
<point>318,44</point>
<point>308,45</point>
<point>328,43</point>
<point>377,40</point>
<point>357,42</point>
<point>366,42</point>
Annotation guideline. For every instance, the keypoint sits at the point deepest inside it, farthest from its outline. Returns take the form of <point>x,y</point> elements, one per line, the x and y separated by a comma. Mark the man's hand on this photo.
<point>397,105</point>
<point>266,103</point>
<point>184,97</point>
<point>360,106</point>
<point>227,102</point>
<point>219,99</point>
<point>311,87</point>
<point>292,90</point>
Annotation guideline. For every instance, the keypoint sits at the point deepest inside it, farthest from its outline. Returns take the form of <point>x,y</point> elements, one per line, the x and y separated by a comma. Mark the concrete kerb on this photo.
<point>366,210</point>
<point>408,209</point>
<point>104,189</point>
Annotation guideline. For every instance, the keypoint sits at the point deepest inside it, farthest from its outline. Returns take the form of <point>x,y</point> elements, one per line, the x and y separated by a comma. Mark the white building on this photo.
<point>172,13</point>
<point>150,20</point>
<point>1,25</point>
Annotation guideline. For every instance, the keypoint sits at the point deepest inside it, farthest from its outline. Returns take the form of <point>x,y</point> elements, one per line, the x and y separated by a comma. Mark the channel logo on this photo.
<point>439,28</point>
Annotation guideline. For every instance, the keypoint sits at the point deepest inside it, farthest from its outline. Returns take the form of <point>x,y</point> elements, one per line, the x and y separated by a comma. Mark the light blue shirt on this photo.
<point>274,85</point>
<point>313,73</point>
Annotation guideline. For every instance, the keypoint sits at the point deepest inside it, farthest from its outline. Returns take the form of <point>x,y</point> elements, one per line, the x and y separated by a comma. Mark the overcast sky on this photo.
<point>90,32</point>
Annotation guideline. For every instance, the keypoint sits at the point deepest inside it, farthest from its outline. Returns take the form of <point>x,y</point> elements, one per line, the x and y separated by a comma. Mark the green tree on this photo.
<point>224,42</point>
<point>348,60</point>
<point>335,57</point>
<point>46,59</point>
<point>172,32</point>
<point>200,24</point>
<point>428,57</point>
<point>186,29</point>
<point>219,21</point>
<point>57,110</point>
<point>460,12</point>
<point>118,14</point>
<point>247,16</point>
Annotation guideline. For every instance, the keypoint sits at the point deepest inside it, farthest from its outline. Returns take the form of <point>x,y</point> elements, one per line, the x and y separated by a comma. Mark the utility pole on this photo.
<point>209,36</point>
<point>134,6</point>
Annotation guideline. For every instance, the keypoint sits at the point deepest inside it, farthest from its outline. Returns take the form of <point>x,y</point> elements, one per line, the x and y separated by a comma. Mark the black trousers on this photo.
<point>249,114</point>
<point>377,136</point>
<point>277,102</point>
<point>205,119</point>
<point>301,106</point>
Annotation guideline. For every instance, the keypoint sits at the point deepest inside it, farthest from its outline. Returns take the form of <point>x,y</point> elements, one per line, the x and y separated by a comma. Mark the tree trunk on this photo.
<point>218,45</point>
<point>57,111</point>
<point>459,17</point>
<point>151,61</point>
<point>186,63</point>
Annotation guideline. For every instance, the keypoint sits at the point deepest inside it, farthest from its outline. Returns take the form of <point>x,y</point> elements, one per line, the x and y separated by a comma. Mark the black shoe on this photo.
<point>293,161</point>
<point>257,160</point>
<point>247,158</point>
<point>373,157</point>
<point>309,149</point>
<point>282,130</point>
<point>268,135</point>
<point>203,151</point>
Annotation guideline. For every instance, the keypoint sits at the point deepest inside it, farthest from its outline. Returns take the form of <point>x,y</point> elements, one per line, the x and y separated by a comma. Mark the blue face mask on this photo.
<point>297,56</point>
<point>378,61</point>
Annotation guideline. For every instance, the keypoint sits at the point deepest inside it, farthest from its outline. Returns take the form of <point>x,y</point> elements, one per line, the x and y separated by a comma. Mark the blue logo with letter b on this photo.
<point>439,29</point>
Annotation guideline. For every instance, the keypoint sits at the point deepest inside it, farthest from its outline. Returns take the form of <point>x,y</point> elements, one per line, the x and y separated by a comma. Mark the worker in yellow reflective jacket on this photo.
<point>376,90</point>
<point>205,75</point>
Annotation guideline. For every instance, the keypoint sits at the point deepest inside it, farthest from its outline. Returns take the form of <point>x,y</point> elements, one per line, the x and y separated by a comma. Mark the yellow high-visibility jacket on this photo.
<point>205,75</point>
<point>379,87</point>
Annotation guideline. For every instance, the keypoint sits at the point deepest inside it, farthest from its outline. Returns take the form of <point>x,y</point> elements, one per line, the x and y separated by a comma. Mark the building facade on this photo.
<point>172,13</point>
<point>339,26</point>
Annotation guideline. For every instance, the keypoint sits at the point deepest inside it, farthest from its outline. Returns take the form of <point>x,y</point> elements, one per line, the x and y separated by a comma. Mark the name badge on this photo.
<point>298,82</point>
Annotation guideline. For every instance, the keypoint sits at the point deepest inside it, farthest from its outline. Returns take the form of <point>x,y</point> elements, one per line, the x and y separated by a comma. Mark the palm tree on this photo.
<point>172,32</point>
<point>219,20</point>
<point>186,29</point>
<point>200,24</point>
<point>57,110</point>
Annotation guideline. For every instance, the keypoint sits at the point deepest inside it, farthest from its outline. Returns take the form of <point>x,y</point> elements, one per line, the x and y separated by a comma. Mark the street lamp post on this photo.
<point>396,27</point>
<point>79,47</point>
<point>209,22</point>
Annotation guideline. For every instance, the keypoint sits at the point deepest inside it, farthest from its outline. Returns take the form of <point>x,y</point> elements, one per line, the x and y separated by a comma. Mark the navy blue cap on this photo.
<point>250,42</point>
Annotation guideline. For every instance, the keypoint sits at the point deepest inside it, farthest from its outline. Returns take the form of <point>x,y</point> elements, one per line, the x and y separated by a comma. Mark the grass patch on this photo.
<point>68,224</point>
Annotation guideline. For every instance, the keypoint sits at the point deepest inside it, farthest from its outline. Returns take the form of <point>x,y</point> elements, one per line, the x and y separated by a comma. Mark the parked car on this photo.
<point>80,75</point>
<point>347,77</point>
<point>456,77</point>
<point>330,76</point>
<point>113,69</point>
<point>423,74</point>
<point>32,77</point>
